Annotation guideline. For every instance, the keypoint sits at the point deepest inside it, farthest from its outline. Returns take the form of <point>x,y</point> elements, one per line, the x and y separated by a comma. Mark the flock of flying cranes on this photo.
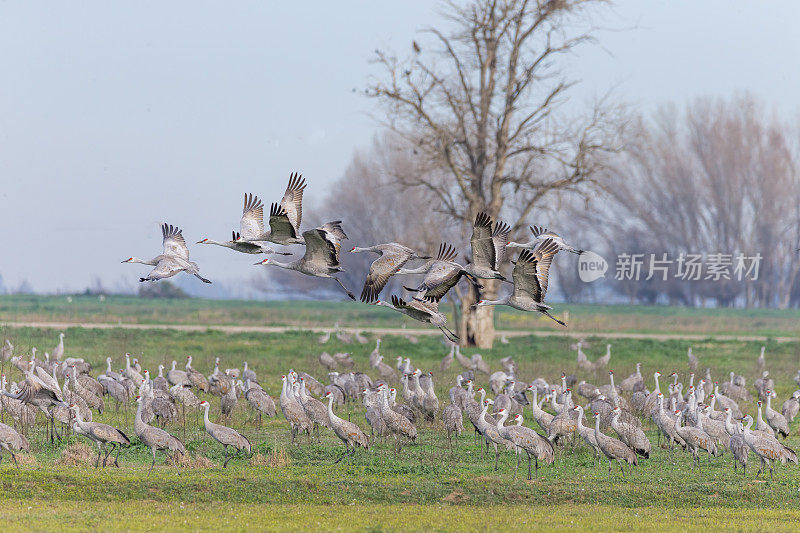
<point>490,244</point>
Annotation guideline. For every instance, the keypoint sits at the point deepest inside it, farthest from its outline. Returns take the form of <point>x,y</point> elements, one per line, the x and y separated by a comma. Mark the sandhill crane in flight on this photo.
<point>321,259</point>
<point>441,275</point>
<point>423,311</point>
<point>540,235</point>
<point>173,260</point>
<point>284,218</point>
<point>488,247</point>
<point>246,247</point>
<point>392,257</point>
<point>530,281</point>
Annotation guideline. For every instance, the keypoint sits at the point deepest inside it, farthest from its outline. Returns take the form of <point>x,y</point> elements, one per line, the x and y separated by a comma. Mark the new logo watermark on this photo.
<point>685,267</point>
<point>591,267</point>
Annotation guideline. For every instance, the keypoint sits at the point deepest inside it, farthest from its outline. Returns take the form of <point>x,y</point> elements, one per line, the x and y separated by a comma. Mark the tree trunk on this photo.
<point>476,327</point>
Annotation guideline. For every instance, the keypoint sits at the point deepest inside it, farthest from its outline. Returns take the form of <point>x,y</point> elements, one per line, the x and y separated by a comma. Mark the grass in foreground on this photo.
<point>447,488</point>
<point>72,516</point>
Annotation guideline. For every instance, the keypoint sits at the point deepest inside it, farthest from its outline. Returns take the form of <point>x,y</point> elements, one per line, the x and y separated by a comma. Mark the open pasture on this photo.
<point>443,487</point>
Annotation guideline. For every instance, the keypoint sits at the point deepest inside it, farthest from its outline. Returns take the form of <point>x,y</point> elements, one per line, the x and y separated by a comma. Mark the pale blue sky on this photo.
<point>114,117</point>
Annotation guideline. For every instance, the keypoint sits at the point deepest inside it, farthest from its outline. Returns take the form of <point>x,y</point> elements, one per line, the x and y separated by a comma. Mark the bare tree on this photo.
<point>718,177</point>
<point>481,100</point>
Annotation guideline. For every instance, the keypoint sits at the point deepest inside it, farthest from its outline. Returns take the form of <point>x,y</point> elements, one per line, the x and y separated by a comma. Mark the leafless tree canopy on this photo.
<point>482,103</point>
<point>718,177</point>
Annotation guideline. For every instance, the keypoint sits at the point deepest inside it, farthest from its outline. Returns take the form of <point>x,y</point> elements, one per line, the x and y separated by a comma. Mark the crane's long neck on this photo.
<point>597,428</point>
<point>729,427</point>
<point>655,376</point>
<point>501,421</point>
<point>501,301</point>
<point>332,416</point>
<point>611,378</point>
<point>580,416</point>
<point>769,401</point>
<point>206,421</point>
<point>289,266</point>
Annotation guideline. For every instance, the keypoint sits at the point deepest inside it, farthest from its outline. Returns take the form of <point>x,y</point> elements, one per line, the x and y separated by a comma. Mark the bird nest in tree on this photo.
<point>275,459</point>
<point>187,461</point>
<point>78,454</point>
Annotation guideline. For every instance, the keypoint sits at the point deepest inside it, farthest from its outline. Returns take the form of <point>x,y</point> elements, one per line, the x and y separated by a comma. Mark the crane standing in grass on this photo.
<point>224,435</point>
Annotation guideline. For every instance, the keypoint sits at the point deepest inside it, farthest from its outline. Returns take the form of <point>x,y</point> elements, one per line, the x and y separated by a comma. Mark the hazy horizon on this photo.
<point>118,117</point>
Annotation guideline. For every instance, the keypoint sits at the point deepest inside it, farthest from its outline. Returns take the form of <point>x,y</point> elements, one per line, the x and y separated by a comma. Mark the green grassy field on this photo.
<point>428,486</point>
<point>581,317</point>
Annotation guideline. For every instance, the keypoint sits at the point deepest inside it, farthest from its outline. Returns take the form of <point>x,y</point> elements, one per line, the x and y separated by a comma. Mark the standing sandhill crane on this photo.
<point>153,437</point>
<point>386,372</point>
<point>487,427</point>
<point>58,351</point>
<point>6,351</point>
<point>453,419</point>
<point>349,433</point>
<point>738,446</point>
<point>237,244</point>
<point>284,218</point>
<point>397,424</point>
<point>130,372</point>
<point>527,440</point>
<point>92,400</point>
<point>603,360</point>
<point>321,259</point>
<point>541,234</point>
<point>631,435</point>
<point>392,257</point>
<point>693,362</point>
<point>441,274</point>
<point>248,373</point>
<point>100,434</point>
<point>447,360</point>
<point>696,439</point>
<point>39,390</point>
<point>178,377</point>
<point>259,400</point>
<point>767,449</point>
<point>422,311</point>
<point>197,379</point>
<point>613,448</point>
<point>666,424</point>
<point>791,407</point>
<point>587,434</point>
<point>293,411</point>
<point>173,260</point>
<point>12,441</point>
<point>633,382</point>
<point>775,419</point>
<point>761,362</point>
<point>530,281</point>
<point>224,435</point>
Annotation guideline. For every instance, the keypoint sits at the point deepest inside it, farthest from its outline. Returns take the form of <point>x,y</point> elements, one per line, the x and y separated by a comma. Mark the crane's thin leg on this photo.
<point>97,463</point>
<point>14,457</point>
<point>225,464</point>
<point>621,469</point>
<point>154,461</point>
<point>116,457</point>
<point>108,454</point>
<point>350,294</point>
<point>496,457</point>
<point>516,467</point>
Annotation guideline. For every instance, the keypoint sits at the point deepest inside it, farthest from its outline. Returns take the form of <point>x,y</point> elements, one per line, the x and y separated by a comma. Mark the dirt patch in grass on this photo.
<point>78,454</point>
<point>275,459</point>
<point>187,461</point>
<point>456,497</point>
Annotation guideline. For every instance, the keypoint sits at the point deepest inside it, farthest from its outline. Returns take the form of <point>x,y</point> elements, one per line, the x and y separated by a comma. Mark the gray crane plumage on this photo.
<point>224,435</point>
